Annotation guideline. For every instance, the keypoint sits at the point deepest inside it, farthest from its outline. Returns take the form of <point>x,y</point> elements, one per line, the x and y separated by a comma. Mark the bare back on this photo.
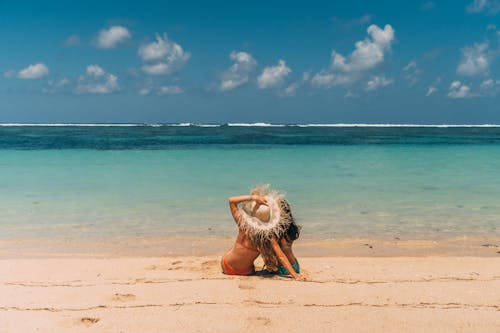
<point>243,253</point>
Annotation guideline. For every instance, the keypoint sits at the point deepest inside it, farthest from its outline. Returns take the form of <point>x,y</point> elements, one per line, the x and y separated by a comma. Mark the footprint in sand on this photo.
<point>175,268</point>
<point>260,321</point>
<point>162,267</point>
<point>123,297</point>
<point>165,267</point>
<point>89,321</point>
<point>246,286</point>
<point>211,267</point>
<point>209,264</point>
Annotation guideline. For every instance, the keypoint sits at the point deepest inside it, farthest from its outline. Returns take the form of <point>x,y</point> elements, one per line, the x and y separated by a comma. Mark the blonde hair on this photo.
<point>260,189</point>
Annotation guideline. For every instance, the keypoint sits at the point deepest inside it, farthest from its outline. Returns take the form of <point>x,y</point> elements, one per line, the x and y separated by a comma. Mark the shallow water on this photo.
<point>154,181</point>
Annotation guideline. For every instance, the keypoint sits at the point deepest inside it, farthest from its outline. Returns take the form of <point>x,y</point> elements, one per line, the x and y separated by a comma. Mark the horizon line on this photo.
<point>257,124</point>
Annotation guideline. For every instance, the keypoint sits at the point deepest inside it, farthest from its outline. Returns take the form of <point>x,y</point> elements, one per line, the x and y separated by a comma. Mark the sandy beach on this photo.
<point>189,294</point>
<point>355,144</point>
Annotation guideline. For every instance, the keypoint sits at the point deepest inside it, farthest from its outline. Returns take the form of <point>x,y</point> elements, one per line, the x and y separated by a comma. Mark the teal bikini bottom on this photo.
<point>283,271</point>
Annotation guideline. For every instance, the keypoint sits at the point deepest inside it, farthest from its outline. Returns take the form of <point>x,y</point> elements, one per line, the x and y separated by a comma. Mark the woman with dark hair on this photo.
<point>266,227</point>
<point>272,251</point>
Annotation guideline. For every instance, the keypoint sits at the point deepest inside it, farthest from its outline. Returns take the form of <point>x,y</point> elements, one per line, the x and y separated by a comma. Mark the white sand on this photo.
<point>189,294</point>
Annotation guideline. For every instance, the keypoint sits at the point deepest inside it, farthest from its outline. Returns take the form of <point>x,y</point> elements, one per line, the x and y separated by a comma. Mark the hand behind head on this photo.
<point>259,200</point>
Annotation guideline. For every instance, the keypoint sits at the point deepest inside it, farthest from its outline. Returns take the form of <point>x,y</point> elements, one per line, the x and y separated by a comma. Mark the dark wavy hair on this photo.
<point>292,232</point>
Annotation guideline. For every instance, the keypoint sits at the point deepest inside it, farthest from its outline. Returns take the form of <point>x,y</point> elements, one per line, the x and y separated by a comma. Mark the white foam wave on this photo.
<point>255,125</point>
<point>106,125</point>
<point>398,125</point>
<point>246,125</point>
<point>204,125</point>
<point>178,125</point>
<point>68,124</point>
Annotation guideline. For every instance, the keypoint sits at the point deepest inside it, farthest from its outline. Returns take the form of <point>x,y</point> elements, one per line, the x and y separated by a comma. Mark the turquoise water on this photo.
<point>346,189</point>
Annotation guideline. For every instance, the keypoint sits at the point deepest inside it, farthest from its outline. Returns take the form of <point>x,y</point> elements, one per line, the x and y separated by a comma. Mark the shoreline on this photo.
<point>126,246</point>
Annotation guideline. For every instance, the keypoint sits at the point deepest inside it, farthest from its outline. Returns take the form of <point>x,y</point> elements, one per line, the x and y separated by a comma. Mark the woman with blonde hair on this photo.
<point>266,227</point>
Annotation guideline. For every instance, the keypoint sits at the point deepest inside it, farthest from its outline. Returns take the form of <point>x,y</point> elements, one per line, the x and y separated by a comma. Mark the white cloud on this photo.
<point>486,6</point>
<point>411,65</point>
<point>291,90</point>
<point>60,83</point>
<point>431,91</point>
<point>306,76</point>
<point>368,54</point>
<point>326,78</point>
<point>476,6</point>
<point>155,50</point>
<point>349,23</point>
<point>94,70</point>
<point>73,40</point>
<point>169,90</point>
<point>459,90</point>
<point>151,87</point>
<point>434,87</point>
<point>163,56</point>
<point>428,6</point>
<point>9,74</point>
<point>55,86</point>
<point>350,94</point>
<point>273,76</point>
<point>412,72</point>
<point>157,69</point>
<point>238,73</point>
<point>475,60</point>
<point>109,38</point>
<point>97,81</point>
<point>377,82</point>
<point>145,91</point>
<point>490,87</point>
<point>35,71</point>
<point>489,83</point>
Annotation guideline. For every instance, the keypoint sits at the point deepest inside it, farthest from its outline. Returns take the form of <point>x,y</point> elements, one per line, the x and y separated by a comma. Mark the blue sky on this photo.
<point>263,61</point>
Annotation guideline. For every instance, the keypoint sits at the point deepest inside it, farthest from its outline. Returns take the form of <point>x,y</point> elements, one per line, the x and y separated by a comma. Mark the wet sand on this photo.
<point>107,247</point>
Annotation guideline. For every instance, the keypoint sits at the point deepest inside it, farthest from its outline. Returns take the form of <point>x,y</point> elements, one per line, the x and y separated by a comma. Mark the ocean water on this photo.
<point>167,180</point>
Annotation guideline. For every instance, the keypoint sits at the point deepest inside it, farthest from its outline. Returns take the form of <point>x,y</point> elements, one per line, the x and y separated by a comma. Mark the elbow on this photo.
<point>231,202</point>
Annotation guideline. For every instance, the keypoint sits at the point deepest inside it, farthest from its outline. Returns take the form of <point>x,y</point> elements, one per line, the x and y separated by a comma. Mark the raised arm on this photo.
<point>284,260</point>
<point>234,201</point>
<point>233,206</point>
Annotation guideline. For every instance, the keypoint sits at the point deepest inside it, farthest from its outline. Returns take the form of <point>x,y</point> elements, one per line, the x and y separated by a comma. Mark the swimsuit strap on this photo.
<point>283,271</point>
